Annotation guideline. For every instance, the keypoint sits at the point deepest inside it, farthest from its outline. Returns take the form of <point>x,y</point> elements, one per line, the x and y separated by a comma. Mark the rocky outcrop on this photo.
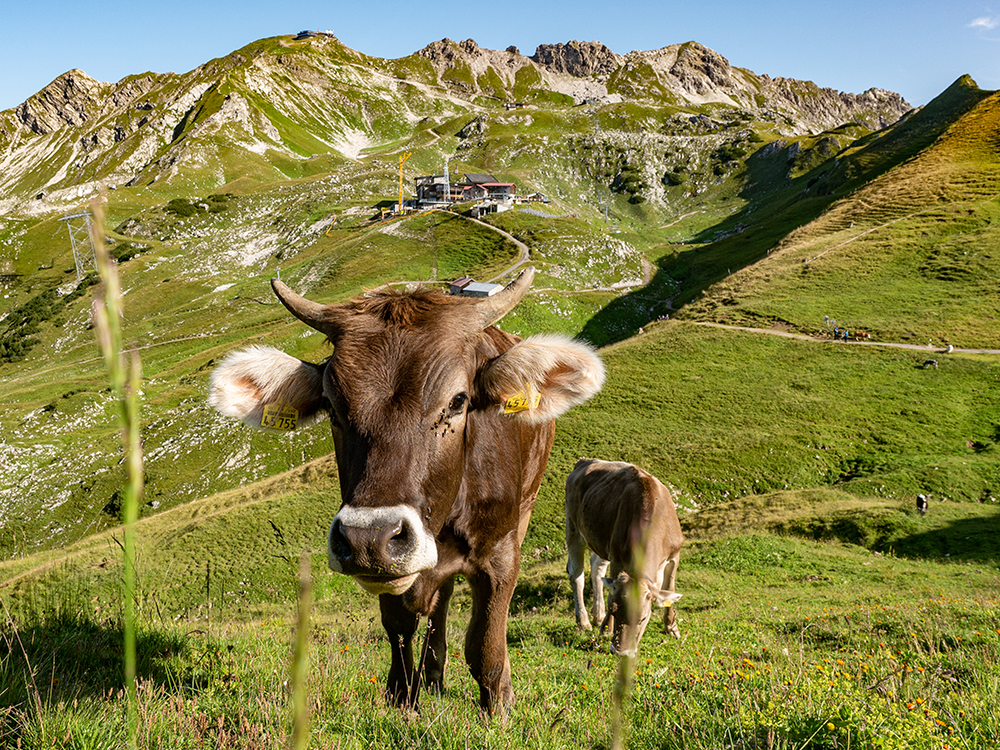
<point>447,54</point>
<point>677,74</point>
<point>698,75</point>
<point>700,70</point>
<point>823,108</point>
<point>71,99</point>
<point>579,59</point>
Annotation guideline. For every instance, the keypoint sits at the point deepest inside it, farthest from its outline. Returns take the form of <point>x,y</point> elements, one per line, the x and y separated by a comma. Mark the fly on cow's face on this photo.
<point>456,407</point>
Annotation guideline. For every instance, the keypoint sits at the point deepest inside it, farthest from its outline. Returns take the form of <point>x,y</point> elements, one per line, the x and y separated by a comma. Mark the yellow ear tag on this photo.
<point>523,400</point>
<point>280,417</point>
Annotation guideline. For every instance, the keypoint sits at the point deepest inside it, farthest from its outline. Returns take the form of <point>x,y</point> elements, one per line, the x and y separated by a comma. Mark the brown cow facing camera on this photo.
<point>629,521</point>
<point>442,428</point>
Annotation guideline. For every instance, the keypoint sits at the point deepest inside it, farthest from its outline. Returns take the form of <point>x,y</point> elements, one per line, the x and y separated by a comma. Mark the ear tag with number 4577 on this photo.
<point>523,400</point>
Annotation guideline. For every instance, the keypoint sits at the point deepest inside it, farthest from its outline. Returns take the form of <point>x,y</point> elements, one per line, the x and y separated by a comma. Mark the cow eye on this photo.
<point>458,403</point>
<point>335,418</point>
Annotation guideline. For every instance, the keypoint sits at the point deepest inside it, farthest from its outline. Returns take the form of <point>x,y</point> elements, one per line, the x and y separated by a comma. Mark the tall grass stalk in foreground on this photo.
<point>125,385</point>
<point>622,690</point>
<point>300,659</point>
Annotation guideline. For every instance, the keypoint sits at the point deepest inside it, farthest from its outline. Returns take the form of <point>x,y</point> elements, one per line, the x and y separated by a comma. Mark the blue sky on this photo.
<point>917,48</point>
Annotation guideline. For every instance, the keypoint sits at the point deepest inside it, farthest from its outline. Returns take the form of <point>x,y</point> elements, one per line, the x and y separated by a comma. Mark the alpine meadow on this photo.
<point>793,291</point>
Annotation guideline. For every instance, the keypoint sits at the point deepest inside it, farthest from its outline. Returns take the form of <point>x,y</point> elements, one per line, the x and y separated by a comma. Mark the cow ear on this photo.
<point>268,389</point>
<point>542,377</point>
<point>665,598</point>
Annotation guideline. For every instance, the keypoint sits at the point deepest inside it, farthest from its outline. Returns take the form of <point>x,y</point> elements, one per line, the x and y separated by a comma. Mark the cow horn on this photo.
<point>311,313</point>
<point>493,308</point>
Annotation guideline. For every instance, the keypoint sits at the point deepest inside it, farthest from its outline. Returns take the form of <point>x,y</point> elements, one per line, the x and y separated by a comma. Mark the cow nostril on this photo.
<point>340,547</point>
<point>401,539</point>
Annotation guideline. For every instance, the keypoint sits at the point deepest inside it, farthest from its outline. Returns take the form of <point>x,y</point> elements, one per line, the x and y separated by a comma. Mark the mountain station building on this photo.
<point>437,190</point>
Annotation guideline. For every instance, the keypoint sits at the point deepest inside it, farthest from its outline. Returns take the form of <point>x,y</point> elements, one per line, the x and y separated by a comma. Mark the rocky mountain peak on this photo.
<point>66,101</point>
<point>448,51</point>
<point>700,69</point>
<point>579,59</point>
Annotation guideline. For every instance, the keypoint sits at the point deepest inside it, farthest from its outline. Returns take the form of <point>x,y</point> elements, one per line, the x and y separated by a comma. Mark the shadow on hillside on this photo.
<point>688,268</point>
<point>972,540</point>
<point>67,656</point>
<point>625,315</point>
<point>775,205</point>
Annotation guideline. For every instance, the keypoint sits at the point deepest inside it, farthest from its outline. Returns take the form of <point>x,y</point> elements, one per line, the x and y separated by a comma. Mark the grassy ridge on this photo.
<point>924,236</point>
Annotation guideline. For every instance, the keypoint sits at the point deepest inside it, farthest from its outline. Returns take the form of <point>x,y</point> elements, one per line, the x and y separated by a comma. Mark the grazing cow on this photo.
<point>628,519</point>
<point>442,428</point>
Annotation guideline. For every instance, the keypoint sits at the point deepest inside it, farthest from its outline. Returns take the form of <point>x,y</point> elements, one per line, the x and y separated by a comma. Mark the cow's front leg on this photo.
<point>435,654</point>
<point>576,550</point>
<point>598,569</point>
<point>486,639</point>
<point>670,584</point>
<point>401,689</point>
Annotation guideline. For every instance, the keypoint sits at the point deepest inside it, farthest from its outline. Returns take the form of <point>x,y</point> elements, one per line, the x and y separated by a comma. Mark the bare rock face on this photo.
<point>823,108</point>
<point>447,51</point>
<point>701,70</point>
<point>68,100</point>
<point>579,59</point>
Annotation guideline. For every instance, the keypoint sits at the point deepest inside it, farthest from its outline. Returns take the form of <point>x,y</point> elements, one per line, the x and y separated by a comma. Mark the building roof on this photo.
<point>478,179</point>
<point>481,289</point>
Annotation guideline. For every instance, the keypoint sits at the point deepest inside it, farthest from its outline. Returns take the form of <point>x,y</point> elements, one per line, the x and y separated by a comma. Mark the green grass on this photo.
<point>781,638</point>
<point>923,235</point>
<point>720,415</point>
<point>802,608</point>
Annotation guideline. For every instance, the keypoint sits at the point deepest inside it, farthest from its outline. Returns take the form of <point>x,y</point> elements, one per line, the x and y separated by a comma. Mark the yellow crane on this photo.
<point>402,158</point>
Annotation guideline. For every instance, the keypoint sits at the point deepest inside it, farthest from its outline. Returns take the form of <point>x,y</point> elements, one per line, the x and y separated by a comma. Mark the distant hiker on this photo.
<point>846,334</point>
<point>922,504</point>
<point>950,349</point>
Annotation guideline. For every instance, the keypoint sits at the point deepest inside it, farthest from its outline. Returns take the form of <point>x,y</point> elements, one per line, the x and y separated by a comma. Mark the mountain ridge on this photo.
<point>85,131</point>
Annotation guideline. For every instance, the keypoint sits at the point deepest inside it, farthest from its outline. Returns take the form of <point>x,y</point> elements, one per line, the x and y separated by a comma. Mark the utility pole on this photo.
<point>447,183</point>
<point>78,226</point>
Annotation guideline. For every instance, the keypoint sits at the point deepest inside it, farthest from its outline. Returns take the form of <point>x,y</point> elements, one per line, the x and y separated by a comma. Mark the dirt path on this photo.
<point>804,337</point>
<point>522,259</point>
<point>681,218</point>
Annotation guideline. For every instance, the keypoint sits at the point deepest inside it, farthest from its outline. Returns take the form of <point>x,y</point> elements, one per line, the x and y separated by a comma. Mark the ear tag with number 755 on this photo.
<point>279,417</point>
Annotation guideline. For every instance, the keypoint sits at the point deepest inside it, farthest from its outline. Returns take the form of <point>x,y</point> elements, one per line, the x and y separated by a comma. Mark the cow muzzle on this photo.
<point>384,549</point>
